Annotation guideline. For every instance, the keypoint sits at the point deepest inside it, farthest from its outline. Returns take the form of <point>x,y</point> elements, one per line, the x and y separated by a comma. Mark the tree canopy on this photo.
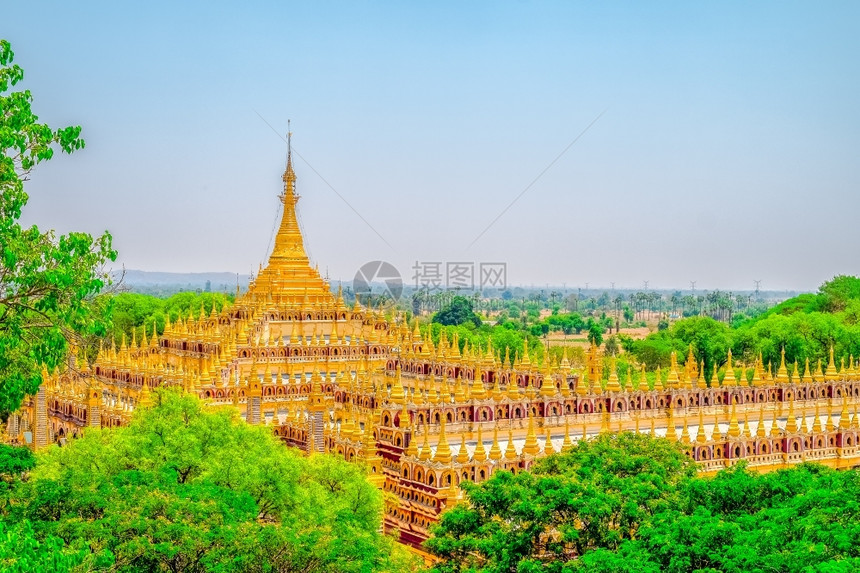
<point>47,282</point>
<point>458,311</point>
<point>709,338</point>
<point>629,503</point>
<point>133,313</point>
<point>595,496</point>
<point>595,333</point>
<point>806,327</point>
<point>183,488</point>
<point>838,292</point>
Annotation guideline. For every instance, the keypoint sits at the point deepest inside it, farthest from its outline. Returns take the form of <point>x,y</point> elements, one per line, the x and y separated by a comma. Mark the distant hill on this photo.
<point>160,283</point>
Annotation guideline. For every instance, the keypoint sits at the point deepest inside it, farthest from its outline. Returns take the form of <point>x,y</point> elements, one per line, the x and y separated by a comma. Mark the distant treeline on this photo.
<point>806,327</point>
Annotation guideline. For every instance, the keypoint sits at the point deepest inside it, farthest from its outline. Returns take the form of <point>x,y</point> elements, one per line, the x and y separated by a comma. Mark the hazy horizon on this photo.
<point>335,282</point>
<point>726,153</point>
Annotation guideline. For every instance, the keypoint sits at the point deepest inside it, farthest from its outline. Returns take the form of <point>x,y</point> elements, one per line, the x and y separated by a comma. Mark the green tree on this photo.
<point>709,338</point>
<point>507,341</point>
<point>15,460</point>
<point>22,552</point>
<point>539,329</point>
<point>628,313</point>
<point>566,322</point>
<point>595,496</point>
<point>183,488</point>
<point>612,346</point>
<point>133,313</point>
<point>801,519</point>
<point>633,504</point>
<point>595,333</point>
<point>47,283</point>
<point>838,292</point>
<point>458,311</point>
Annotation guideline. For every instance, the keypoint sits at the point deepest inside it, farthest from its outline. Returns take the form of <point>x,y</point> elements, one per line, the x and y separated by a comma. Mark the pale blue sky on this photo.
<point>728,151</point>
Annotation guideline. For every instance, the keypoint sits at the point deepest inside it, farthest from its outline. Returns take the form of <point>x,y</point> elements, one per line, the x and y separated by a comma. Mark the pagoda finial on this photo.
<point>462,453</point>
<point>567,443</point>
<point>729,378</point>
<point>510,450</point>
<point>288,249</point>
<point>700,434</point>
<point>443,449</point>
<point>425,447</point>
<point>548,448</point>
<point>613,385</point>
<point>495,449</point>
<point>643,381</point>
<point>289,177</point>
<point>791,425</point>
<point>816,421</point>
<point>734,427</point>
<point>830,374</point>
<point>760,432</point>
<point>782,373</point>
<point>480,454</point>
<point>531,446</point>
<point>775,431</point>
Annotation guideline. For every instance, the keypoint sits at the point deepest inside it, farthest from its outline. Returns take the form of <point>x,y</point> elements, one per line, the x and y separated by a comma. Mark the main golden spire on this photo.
<point>289,276</point>
<point>288,241</point>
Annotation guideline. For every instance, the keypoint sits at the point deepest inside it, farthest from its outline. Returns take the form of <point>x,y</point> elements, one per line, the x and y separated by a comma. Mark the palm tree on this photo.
<point>675,299</point>
<point>656,302</point>
<point>688,302</point>
<point>637,299</point>
<point>618,300</point>
<point>712,298</point>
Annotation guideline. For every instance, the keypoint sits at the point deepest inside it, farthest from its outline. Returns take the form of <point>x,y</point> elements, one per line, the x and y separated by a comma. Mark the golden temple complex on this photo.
<point>326,377</point>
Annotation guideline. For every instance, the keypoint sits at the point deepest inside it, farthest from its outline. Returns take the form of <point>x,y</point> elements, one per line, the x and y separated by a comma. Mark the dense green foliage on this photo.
<point>21,551</point>
<point>630,503</point>
<point>14,461</point>
<point>188,489</point>
<point>47,283</point>
<point>458,311</point>
<point>801,519</point>
<point>805,326</point>
<point>567,322</point>
<point>595,334</point>
<point>557,321</point>
<point>595,496</point>
<point>132,313</point>
<point>710,340</point>
<point>505,341</point>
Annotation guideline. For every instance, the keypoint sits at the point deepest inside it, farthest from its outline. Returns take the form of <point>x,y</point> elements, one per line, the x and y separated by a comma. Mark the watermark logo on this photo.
<point>459,275</point>
<point>380,280</point>
<point>383,275</point>
<point>494,275</point>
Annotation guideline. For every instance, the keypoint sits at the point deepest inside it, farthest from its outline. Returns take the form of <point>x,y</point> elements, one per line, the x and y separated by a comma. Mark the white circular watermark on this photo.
<point>381,274</point>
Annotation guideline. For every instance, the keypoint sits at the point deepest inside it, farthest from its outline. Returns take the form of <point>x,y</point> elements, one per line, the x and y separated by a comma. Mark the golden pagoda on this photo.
<point>328,377</point>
